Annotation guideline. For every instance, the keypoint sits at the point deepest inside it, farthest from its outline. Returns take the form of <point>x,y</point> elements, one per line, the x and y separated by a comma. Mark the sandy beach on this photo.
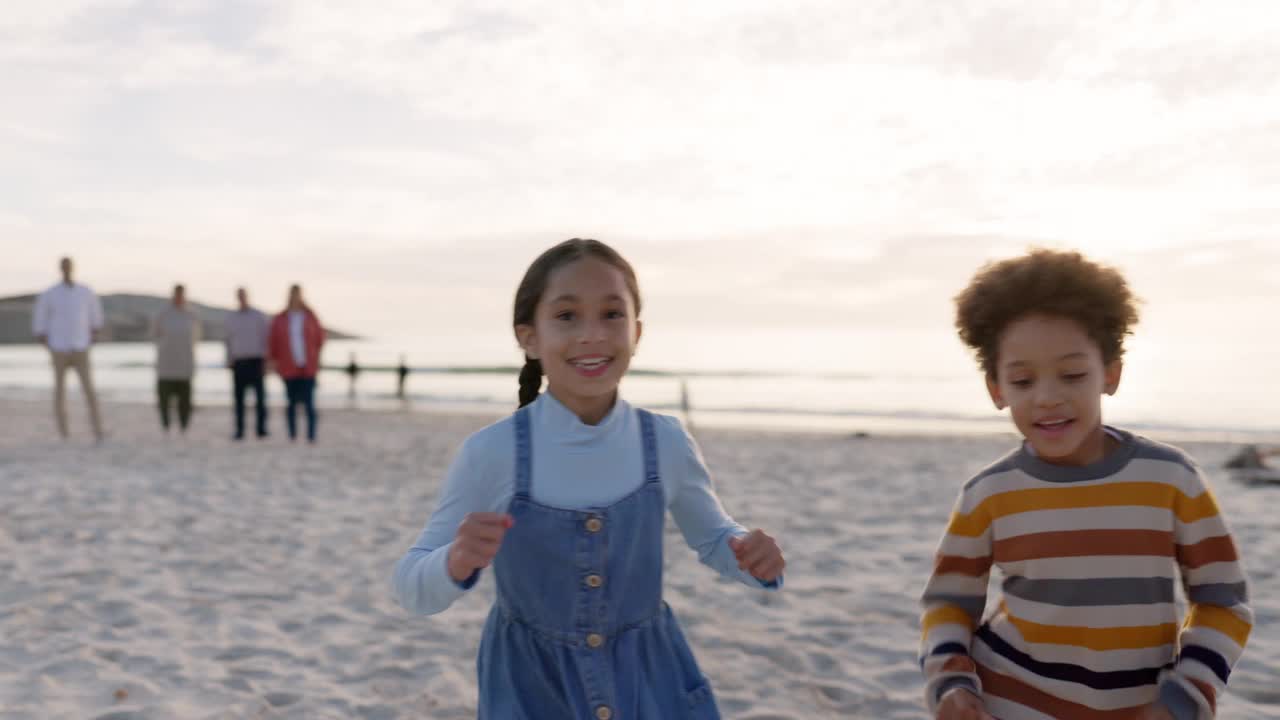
<point>159,577</point>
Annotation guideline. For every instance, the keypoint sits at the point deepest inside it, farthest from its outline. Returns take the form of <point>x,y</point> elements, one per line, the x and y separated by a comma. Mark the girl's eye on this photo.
<point>1075,377</point>
<point>614,314</point>
<point>566,315</point>
<point>1021,383</point>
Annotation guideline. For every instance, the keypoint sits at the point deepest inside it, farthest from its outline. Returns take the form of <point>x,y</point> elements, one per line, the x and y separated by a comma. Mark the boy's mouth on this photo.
<point>1054,427</point>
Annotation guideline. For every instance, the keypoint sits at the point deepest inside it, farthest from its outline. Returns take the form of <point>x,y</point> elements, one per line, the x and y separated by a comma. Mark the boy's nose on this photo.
<point>1047,396</point>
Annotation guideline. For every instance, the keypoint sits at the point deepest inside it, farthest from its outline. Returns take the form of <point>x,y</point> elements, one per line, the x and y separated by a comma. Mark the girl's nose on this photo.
<point>592,331</point>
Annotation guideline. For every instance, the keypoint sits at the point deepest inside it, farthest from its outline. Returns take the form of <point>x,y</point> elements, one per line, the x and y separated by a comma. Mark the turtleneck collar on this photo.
<point>1108,465</point>
<point>559,424</point>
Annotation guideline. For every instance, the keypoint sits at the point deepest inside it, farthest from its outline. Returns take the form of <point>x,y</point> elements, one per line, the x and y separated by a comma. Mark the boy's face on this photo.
<point>585,331</point>
<point>1051,376</point>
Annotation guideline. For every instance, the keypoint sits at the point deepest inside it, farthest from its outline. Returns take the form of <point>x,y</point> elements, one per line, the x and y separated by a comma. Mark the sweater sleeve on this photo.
<point>1218,619</point>
<point>421,583</point>
<point>954,600</point>
<point>96,317</point>
<point>40,316</point>
<point>697,511</point>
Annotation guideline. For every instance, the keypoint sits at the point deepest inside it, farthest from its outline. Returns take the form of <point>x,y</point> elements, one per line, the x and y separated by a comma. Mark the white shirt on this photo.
<point>67,315</point>
<point>296,342</point>
<point>575,466</point>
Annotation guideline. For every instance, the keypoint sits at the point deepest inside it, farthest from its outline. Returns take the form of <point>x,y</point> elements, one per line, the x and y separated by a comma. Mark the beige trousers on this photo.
<point>79,361</point>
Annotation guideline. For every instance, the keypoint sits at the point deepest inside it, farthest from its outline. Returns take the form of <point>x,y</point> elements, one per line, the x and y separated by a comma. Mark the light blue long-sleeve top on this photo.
<point>575,466</point>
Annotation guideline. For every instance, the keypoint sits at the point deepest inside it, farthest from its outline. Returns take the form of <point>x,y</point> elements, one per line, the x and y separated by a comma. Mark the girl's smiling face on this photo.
<point>1051,376</point>
<point>584,332</point>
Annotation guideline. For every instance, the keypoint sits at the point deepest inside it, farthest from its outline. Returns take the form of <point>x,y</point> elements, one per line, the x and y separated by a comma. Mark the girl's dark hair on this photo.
<point>1048,282</point>
<point>534,284</point>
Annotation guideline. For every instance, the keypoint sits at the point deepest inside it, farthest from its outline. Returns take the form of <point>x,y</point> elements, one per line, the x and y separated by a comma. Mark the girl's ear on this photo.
<point>639,332</point>
<point>528,340</point>
<point>1111,375</point>
<point>993,389</point>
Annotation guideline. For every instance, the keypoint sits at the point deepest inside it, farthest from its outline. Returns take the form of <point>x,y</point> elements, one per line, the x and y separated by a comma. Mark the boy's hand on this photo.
<point>758,554</point>
<point>961,704</point>
<point>476,542</point>
<point>1155,711</point>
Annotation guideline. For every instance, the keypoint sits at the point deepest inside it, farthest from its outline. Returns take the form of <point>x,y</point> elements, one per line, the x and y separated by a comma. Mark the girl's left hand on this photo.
<point>758,554</point>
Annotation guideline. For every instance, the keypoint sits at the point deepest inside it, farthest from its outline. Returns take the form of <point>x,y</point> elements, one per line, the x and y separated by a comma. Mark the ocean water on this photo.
<point>875,397</point>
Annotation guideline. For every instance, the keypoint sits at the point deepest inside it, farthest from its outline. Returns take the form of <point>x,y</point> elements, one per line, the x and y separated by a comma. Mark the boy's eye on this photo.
<point>1074,377</point>
<point>614,314</point>
<point>1020,383</point>
<point>565,315</point>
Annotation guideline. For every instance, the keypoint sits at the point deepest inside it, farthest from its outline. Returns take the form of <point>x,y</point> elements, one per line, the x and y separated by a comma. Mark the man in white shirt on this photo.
<point>67,320</point>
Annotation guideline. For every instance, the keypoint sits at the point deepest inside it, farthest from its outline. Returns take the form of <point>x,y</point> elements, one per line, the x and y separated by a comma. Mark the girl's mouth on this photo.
<point>591,366</point>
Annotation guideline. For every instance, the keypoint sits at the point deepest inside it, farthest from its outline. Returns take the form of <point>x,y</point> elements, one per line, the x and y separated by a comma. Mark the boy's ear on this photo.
<point>527,338</point>
<point>1111,376</point>
<point>993,389</point>
<point>639,332</point>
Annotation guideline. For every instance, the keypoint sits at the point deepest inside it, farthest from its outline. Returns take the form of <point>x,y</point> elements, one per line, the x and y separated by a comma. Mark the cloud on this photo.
<point>230,25</point>
<point>814,162</point>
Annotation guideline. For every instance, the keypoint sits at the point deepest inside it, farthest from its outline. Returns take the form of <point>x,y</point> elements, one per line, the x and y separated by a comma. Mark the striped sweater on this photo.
<point>1086,624</point>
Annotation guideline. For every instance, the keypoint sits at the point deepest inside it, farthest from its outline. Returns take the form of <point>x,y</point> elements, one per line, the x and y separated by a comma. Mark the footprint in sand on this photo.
<point>1261,697</point>
<point>823,662</point>
<point>281,699</point>
<point>836,695</point>
<point>382,674</point>
<point>116,614</point>
<point>242,652</point>
<point>238,683</point>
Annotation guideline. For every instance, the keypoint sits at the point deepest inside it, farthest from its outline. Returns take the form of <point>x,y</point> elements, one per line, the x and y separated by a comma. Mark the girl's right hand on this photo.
<point>960,704</point>
<point>476,542</point>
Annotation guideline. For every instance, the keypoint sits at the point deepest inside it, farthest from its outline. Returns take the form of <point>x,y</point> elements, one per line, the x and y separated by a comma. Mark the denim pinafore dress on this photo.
<point>579,630</point>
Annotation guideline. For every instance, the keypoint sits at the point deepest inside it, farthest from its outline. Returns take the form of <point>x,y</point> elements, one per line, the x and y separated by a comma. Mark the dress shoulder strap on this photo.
<point>524,453</point>
<point>650,444</point>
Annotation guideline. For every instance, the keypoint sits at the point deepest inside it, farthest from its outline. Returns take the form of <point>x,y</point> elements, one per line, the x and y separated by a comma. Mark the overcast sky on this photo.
<point>835,166</point>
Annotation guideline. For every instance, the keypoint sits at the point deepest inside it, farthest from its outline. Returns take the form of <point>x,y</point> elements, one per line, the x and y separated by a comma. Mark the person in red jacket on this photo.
<point>294,349</point>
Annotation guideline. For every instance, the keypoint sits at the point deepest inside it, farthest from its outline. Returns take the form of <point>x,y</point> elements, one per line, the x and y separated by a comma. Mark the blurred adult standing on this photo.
<point>247,331</point>
<point>176,330</point>
<point>294,348</point>
<point>68,319</point>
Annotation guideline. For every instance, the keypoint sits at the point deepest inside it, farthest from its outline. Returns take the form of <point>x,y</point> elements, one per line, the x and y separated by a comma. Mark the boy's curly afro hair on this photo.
<point>1049,282</point>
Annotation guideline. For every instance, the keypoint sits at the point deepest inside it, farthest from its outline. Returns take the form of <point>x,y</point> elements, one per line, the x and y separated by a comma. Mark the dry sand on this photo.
<point>160,578</point>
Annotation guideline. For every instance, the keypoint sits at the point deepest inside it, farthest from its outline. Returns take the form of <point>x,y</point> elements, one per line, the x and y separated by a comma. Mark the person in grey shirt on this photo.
<point>176,332</point>
<point>247,330</point>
